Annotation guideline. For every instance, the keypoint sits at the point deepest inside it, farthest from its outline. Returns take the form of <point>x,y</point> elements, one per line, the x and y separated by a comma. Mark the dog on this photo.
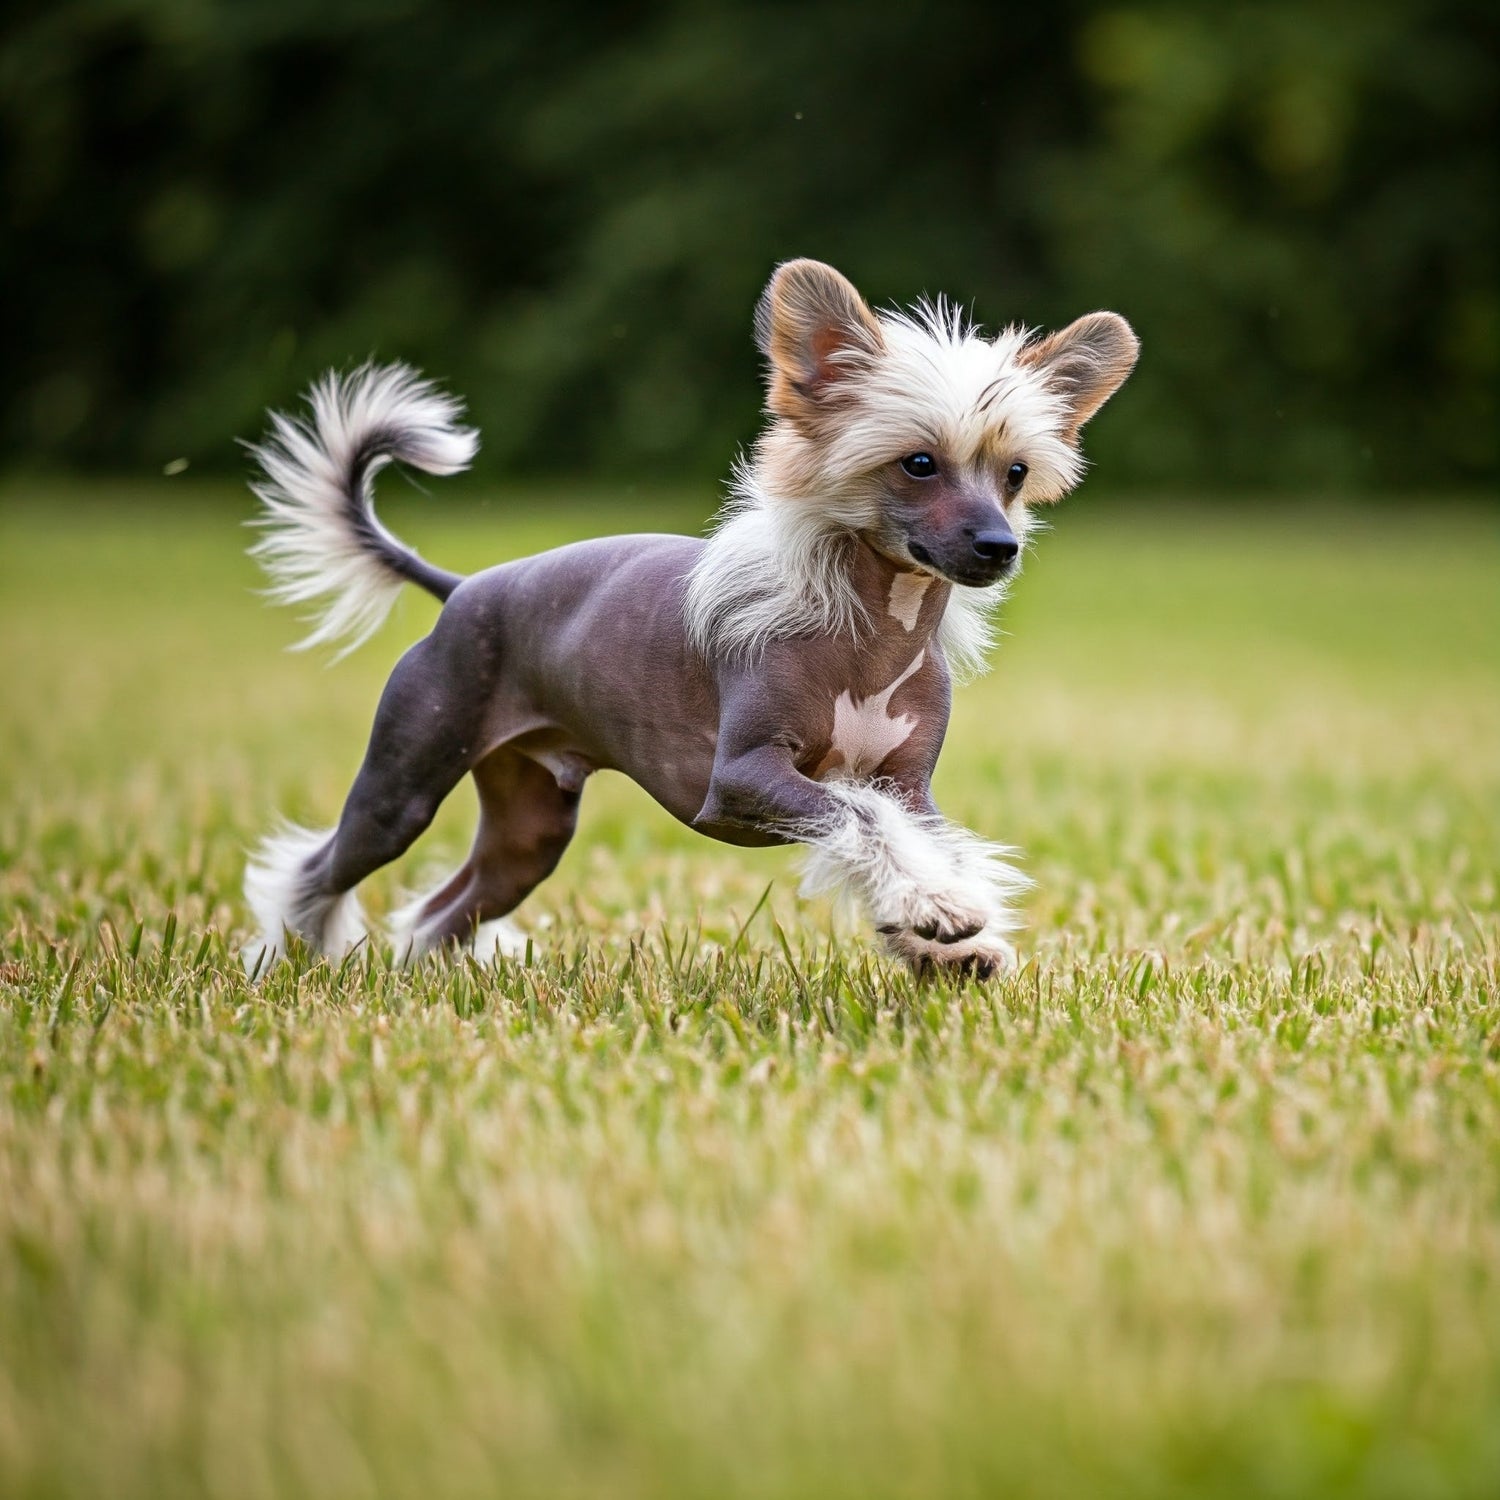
<point>785,680</point>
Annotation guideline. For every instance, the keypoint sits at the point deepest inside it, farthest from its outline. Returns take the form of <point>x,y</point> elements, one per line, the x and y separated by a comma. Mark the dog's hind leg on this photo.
<point>425,738</point>
<point>527,815</point>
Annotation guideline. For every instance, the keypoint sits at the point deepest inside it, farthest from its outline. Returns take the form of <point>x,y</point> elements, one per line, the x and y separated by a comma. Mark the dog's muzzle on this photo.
<point>980,559</point>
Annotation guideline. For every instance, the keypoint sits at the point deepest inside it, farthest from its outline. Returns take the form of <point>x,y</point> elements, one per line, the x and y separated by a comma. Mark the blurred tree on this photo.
<point>567,213</point>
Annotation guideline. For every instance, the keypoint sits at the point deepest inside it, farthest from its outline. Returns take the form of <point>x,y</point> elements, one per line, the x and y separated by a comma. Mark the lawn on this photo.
<point>707,1199</point>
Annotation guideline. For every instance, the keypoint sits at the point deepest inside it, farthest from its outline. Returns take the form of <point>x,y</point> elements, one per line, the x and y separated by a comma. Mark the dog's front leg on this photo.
<point>938,896</point>
<point>974,875</point>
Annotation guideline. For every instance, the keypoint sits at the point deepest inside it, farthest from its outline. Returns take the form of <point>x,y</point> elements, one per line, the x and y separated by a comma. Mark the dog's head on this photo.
<point>927,438</point>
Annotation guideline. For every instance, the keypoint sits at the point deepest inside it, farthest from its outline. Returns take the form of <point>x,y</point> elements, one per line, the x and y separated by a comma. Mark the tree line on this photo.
<point>567,211</point>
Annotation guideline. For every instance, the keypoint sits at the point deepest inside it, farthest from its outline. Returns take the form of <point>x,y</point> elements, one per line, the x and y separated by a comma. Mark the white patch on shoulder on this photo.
<point>905,602</point>
<point>864,729</point>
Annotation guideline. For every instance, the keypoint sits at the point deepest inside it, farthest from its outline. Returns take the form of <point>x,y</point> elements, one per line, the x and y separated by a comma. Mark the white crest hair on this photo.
<point>773,569</point>
<point>776,563</point>
<point>322,543</point>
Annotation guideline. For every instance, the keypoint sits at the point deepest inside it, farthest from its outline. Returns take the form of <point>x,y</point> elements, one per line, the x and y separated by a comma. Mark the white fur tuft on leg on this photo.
<point>412,939</point>
<point>938,894</point>
<point>277,892</point>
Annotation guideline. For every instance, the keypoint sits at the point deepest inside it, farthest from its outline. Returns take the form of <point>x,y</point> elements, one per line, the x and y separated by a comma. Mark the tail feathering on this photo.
<point>321,543</point>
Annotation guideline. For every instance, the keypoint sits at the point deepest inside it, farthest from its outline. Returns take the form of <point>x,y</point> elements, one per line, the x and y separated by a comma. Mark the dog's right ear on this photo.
<point>816,331</point>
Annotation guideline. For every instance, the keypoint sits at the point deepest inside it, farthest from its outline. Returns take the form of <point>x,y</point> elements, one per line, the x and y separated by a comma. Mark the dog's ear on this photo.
<point>816,331</point>
<point>1086,363</point>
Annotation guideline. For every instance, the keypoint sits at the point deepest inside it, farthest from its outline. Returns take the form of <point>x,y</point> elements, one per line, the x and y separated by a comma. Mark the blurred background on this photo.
<point>1205,1203</point>
<point>566,211</point>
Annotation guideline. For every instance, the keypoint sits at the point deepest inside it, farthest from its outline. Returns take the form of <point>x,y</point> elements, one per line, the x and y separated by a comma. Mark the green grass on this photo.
<point>1206,1200</point>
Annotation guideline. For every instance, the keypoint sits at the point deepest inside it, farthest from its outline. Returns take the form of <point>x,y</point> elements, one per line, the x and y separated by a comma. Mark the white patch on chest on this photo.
<point>905,601</point>
<point>865,730</point>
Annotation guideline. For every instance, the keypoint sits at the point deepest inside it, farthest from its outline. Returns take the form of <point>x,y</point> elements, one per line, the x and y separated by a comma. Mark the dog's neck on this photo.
<point>783,569</point>
<point>904,604</point>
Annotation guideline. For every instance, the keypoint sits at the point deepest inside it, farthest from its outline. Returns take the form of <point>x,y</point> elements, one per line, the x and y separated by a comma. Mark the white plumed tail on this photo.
<point>322,543</point>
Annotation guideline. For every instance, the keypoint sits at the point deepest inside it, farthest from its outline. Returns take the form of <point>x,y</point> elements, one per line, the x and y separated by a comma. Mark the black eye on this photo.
<point>1015,476</point>
<point>919,465</point>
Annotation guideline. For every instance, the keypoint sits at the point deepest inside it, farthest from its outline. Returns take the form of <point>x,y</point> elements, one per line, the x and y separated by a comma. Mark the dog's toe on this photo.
<point>975,954</point>
<point>962,935</point>
<point>936,932</point>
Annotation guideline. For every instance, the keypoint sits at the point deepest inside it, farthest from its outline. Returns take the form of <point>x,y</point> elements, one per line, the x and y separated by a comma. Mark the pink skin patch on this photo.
<point>865,730</point>
<point>905,601</point>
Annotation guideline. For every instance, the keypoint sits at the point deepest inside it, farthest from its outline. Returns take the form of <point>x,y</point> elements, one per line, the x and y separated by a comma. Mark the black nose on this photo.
<point>996,546</point>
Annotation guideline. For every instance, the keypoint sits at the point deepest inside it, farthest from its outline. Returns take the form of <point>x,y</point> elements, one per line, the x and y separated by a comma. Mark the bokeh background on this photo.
<point>566,210</point>
<point>704,1200</point>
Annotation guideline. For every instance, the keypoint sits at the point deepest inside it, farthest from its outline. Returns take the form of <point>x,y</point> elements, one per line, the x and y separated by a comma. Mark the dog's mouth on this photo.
<point>976,578</point>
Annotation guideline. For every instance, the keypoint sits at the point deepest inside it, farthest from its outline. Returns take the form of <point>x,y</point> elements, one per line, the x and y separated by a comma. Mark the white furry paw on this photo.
<point>942,917</point>
<point>277,892</point>
<point>981,954</point>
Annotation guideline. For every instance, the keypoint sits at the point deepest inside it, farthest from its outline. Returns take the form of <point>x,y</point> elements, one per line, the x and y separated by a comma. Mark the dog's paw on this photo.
<point>941,918</point>
<point>978,954</point>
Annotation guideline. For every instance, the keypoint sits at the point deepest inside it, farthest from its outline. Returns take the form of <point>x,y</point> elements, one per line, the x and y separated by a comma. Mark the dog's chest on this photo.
<point>866,730</point>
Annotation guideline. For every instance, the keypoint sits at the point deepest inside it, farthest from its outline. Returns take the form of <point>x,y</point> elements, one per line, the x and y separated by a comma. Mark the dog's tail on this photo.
<point>322,543</point>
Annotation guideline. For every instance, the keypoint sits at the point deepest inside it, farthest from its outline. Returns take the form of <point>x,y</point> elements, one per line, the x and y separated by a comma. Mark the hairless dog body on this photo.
<point>786,680</point>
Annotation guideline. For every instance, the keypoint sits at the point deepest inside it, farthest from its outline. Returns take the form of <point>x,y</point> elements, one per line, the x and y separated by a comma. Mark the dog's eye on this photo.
<point>919,465</point>
<point>1015,476</point>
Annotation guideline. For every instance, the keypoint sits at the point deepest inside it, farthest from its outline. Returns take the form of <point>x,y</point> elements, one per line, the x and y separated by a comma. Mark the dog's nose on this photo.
<point>996,547</point>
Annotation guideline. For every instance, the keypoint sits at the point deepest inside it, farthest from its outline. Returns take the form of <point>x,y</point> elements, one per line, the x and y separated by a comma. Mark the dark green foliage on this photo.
<point>567,211</point>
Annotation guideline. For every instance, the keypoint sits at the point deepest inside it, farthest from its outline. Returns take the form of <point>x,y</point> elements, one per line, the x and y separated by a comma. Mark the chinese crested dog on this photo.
<point>787,680</point>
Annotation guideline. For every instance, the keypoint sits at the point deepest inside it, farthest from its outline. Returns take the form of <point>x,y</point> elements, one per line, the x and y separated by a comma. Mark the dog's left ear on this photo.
<point>1085,363</point>
<point>817,332</point>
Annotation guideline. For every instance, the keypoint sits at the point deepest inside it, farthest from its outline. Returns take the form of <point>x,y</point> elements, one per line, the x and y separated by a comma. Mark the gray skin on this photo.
<point>542,671</point>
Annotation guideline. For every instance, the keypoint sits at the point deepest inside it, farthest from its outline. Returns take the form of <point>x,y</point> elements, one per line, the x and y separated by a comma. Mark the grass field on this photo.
<point>1205,1201</point>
